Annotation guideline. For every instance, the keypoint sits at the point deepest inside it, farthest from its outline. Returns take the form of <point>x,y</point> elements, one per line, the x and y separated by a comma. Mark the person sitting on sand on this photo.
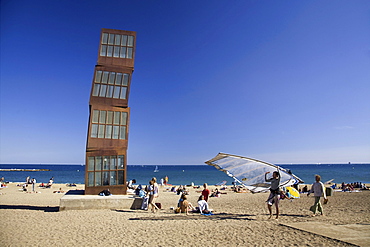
<point>287,194</point>
<point>50,183</point>
<point>130,184</point>
<point>184,205</point>
<point>203,205</point>
<point>319,190</point>
<point>274,192</point>
<point>215,193</point>
<point>305,189</point>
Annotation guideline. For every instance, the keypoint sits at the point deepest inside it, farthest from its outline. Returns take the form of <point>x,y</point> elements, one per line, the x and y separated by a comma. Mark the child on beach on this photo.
<point>274,192</point>
<point>318,189</point>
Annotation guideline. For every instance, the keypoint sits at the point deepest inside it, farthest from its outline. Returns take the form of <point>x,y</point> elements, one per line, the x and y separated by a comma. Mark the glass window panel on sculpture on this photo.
<point>95,117</point>
<point>116,118</point>
<point>118,78</point>
<point>98,163</point>
<point>97,178</point>
<point>123,118</point>
<point>90,178</point>
<point>121,161</point>
<point>129,52</point>
<point>130,41</point>
<point>105,77</point>
<point>125,79</point>
<point>103,50</point>
<point>91,164</point>
<point>98,75</point>
<point>96,89</point>
<point>115,132</point>
<point>112,77</point>
<point>111,39</point>
<point>120,176</point>
<point>108,132</point>
<point>123,52</point>
<point>102,117</point>
<point>113,162</point>
<point>105,178</point>
<point>122,133</point>
<point>116,51</point>
<point>117,40</point>
<point>105,38</point>
<point>106,161</point>
<point>109,117</point>
<point>124,40</point>
<point>110,51</point>
<point>116,92</point>
<point>94,131</point>
<point>123,93</point>
<point>103,90</point>
<point>113,178</point>
<point>101,131</point>
<point>110,91</point>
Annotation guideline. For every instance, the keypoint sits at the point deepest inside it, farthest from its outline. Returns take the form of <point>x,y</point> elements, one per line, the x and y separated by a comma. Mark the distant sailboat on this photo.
<point>156,169</point>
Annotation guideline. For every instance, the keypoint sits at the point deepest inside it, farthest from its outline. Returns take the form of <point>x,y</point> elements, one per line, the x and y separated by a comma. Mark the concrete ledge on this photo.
<point>76,200</point>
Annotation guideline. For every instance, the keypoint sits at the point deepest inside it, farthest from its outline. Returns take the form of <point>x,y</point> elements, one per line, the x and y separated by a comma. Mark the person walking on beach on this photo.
<point>206,192</point>
<point>274,192</point>
<point>33,181</point>
<point>153,193</point>
<point>318,189</point>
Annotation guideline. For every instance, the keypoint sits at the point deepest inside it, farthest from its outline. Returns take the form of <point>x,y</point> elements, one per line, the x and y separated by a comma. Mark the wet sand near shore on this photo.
<point>240,219</point>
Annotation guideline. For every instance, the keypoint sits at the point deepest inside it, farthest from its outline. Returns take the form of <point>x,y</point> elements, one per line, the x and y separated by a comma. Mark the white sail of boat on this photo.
<point>156,169</point>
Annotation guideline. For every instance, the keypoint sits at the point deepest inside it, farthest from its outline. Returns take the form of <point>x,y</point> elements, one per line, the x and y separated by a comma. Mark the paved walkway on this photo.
<point>357,234</point>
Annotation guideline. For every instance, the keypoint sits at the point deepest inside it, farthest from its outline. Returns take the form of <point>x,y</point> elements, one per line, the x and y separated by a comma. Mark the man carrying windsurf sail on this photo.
<point>249,173</point>
<point>274,192</point>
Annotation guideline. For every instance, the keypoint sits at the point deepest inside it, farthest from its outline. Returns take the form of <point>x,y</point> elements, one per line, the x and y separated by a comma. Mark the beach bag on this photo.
<point>144,205</point>
<point>177,210</point>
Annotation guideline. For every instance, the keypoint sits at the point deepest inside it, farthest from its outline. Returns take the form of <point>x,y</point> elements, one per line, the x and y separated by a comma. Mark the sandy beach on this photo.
<point>240,219</point>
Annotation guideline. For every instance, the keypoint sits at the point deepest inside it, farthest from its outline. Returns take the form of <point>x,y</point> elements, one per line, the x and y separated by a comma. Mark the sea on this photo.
<point>184,174</point>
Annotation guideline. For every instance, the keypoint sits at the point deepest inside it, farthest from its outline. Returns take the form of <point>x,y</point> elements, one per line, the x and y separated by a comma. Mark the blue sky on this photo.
<point>280,81</point>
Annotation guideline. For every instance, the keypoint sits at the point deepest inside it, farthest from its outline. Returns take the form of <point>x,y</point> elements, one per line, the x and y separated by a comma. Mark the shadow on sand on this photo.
<point>28,207</point>
<point>220,216</point>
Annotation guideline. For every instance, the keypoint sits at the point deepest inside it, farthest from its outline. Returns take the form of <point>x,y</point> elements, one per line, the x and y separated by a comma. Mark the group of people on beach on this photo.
<point>184,206</point>
<point>33,181</point>
<point>150,193</point>
<point>317,188</point>
<point>353,186</point>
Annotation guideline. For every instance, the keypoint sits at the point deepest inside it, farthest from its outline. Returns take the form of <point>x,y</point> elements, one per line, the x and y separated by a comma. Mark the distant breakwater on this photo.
<point>24,170</point>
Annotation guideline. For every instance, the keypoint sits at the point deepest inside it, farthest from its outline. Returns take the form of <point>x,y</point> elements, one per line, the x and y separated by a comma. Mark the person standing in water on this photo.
<point>318,189</point>
<point>274,192</point>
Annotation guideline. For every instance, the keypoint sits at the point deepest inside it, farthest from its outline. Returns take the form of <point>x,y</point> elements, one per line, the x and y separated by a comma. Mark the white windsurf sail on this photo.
<point>251,172</point>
